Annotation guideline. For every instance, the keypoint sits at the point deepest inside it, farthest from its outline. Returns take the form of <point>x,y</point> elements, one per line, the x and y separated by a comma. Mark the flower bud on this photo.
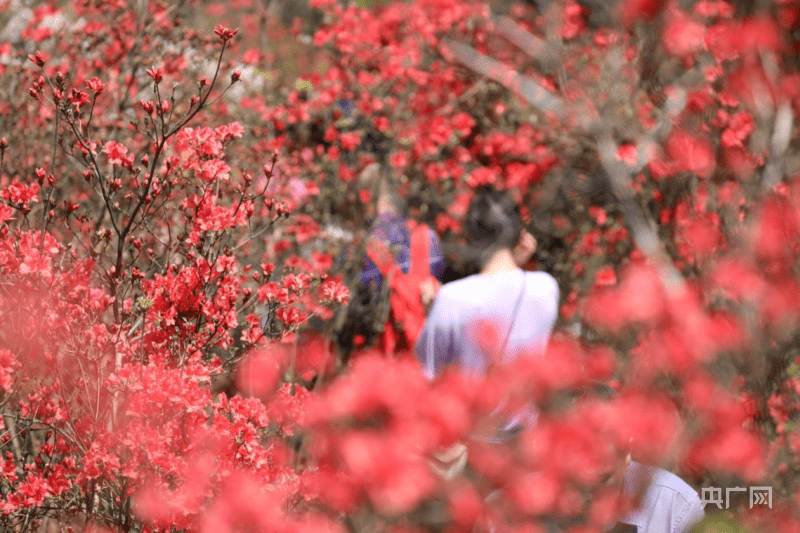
<point>37,58</point>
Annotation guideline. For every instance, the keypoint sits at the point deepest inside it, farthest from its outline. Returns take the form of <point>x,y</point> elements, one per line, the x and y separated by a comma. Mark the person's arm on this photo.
<point>428,290</point>
<point>435,349</point>
<point>435,255</point>
<point>691,515</point>
<point>430,287</point>
<point>370,272</point>
<point>553,301</point>
<point>435,346</point>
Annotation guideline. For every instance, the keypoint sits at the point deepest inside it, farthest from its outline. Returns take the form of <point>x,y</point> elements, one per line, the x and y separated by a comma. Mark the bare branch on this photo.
<point>533,92</point>
<point>532,45</point>
<point>781,135</point>
<point>642,229</point>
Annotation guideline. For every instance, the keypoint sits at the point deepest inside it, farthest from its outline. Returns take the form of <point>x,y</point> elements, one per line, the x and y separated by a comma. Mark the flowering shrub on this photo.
<point>169,281</point>
<point>130,282</point>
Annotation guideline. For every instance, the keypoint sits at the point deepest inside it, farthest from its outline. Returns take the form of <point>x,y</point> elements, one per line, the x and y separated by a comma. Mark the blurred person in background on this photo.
<point>522,305</point>
<point>520,308</point>
<point>667,504</point>
<point>664,503</point>
<point>400,274</point>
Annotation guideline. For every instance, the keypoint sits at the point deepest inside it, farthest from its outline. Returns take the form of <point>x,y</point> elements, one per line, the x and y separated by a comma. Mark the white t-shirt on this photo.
<point>450,333</point>
<point>669,504</point>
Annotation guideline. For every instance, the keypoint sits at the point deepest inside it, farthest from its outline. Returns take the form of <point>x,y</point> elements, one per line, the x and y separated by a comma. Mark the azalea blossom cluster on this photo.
<point>119,333</point>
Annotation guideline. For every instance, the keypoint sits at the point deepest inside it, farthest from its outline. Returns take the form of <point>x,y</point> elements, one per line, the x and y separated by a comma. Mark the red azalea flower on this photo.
<point>226,34</point>
<point>157,73</point>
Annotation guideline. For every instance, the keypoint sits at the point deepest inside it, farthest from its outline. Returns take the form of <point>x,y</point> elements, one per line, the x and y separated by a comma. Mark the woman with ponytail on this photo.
<point>521,305</point>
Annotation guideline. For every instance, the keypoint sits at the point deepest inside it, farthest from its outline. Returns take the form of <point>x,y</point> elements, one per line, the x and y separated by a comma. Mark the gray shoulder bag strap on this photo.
<point>514,315</point>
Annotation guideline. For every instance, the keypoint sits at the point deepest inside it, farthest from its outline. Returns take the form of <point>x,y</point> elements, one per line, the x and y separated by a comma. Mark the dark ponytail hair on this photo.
<point>493,222</point>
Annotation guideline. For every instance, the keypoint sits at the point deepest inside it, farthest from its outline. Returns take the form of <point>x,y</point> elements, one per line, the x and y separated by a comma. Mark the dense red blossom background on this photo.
<point>181,225</point>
